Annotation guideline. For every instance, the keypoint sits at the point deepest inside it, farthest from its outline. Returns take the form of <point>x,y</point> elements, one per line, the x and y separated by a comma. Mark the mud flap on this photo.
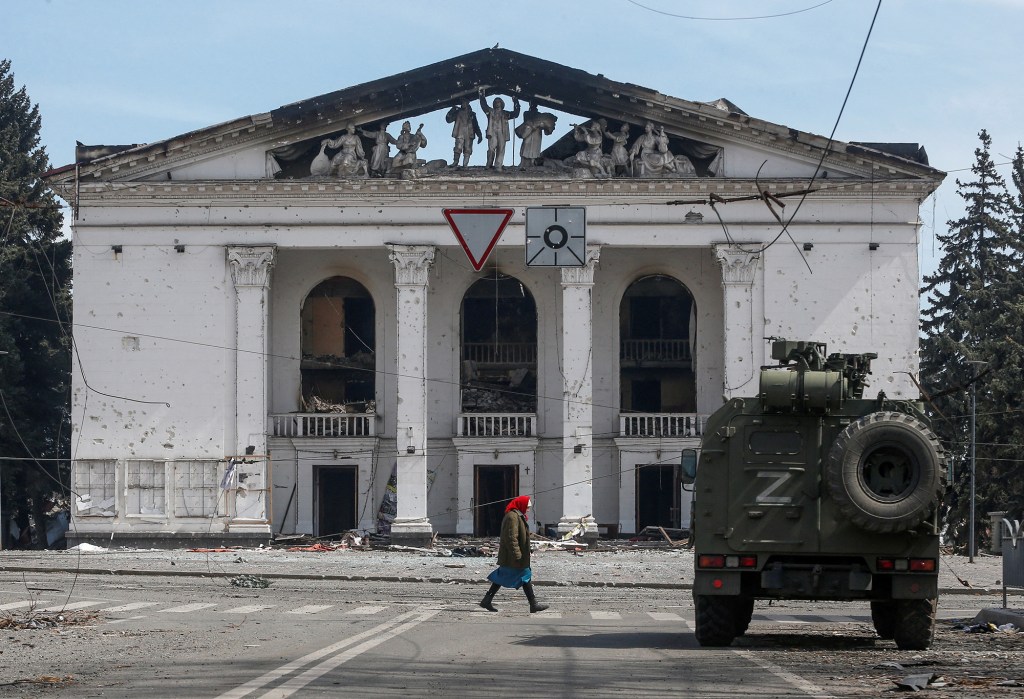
<point>915,587</point>
<point>716,583</point>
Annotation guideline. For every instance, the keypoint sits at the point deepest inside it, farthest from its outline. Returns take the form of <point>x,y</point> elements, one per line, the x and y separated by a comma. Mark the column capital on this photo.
<point>738,266</point>
<point>250,266</point>
<point>412,262</point>
<point>584,274</point>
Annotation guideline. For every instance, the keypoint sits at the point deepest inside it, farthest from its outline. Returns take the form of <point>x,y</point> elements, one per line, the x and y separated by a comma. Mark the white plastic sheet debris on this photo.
<point>87,548</point>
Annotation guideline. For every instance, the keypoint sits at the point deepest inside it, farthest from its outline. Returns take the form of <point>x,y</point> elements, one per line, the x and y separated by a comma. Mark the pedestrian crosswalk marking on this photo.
<point>249,609</point>
<point>605,615</point>
<point>69,607</point>
<point>310,609</point>
<point>129,607</point>
<point>366,610</point>
<point>664,616</point>
<point>188,608</point>
<point>18,605</point>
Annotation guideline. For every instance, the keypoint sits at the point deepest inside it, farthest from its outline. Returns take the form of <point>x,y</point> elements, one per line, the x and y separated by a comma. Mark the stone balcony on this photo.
<point>661,424</point>
<point>323,425</point>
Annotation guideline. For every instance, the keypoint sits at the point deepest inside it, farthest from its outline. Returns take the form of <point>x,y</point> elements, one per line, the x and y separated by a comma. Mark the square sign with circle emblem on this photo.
<point>556,236</point>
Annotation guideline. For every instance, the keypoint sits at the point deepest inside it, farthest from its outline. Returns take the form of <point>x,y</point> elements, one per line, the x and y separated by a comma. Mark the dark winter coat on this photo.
<point>514,546</point>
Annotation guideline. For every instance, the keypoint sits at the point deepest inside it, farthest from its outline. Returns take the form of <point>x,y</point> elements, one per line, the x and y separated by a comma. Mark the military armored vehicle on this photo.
<point>810,491</point>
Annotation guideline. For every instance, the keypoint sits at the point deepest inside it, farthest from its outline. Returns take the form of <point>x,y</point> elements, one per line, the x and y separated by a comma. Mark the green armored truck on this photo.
<point>811,491</point>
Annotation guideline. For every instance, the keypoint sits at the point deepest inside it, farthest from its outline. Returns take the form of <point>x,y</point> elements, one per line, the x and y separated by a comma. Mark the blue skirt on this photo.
<point>507,576</point>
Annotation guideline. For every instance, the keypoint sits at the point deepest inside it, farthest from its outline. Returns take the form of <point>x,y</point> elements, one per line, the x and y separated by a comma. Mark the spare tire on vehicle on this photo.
<point>885,472</point>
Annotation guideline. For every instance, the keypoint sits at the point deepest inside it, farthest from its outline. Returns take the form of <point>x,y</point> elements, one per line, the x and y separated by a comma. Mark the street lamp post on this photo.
<point>973,542</point>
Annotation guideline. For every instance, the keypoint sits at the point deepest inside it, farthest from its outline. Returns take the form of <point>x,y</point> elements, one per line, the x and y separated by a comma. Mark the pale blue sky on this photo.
<point>935,71</point>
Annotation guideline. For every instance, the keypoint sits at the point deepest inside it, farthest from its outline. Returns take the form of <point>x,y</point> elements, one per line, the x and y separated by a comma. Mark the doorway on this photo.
<point>493,487</point>
<point>336,497</point>
<point>658,491</point>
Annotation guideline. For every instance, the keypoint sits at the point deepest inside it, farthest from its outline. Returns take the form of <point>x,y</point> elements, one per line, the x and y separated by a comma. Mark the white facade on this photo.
<point>193,267</point>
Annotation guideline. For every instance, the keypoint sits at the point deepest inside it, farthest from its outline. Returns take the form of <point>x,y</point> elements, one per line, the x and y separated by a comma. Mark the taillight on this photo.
<point>711,560</point>
<point>748,561</point>
<point>916,565</point>
<point>717,560</point>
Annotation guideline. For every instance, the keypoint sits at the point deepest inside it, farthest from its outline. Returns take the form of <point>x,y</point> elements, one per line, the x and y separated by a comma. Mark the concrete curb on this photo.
<point>416,579</point>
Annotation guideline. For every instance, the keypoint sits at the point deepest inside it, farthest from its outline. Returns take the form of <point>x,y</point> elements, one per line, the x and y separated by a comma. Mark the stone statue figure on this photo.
<point>465,128</point>
<point>534,126</point>
<point>619,154</point>
<point>497,128</point>
<point>652,157</point>
<point>408,143</point>
<point>348,161</point>
<point>380,158</point>
<point>591,157</point>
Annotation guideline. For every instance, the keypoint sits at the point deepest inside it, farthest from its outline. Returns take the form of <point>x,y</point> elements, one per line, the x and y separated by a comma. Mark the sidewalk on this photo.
<point>615,565</point>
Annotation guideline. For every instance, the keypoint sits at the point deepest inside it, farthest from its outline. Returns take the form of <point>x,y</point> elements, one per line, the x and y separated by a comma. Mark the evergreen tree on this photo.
<point>974,315</point>
<point>35,279</point>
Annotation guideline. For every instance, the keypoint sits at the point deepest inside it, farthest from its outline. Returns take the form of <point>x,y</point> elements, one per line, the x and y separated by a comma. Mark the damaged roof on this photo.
<point>499,71</point>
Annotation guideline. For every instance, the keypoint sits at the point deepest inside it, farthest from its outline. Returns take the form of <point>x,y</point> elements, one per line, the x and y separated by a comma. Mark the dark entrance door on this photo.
<point>658,496</point>
<point>495,486</point>
<point>335,489</point>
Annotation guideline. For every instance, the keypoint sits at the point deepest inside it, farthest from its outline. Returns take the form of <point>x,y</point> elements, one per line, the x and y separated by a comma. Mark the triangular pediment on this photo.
<point>717,138</point>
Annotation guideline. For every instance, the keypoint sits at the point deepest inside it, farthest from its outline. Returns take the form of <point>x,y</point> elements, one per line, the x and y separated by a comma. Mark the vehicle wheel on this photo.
<point>883,616</point>
<point>915,624</point>
<point>716,620</point>
<point>885,472</point>
<point>744,611</point>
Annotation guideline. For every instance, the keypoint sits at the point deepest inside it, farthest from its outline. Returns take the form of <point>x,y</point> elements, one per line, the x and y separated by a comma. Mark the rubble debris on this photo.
<point>32,620</point>
<point>252,581</point>
<point>218,550</point>
<point>471,551</point>
<point>888,665</point>
<point>316,404</point>
<point>915,683</point>
<point>87,547</point>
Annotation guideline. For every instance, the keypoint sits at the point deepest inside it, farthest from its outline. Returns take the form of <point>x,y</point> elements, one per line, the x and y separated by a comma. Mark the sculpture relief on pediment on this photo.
<point>593,149</point>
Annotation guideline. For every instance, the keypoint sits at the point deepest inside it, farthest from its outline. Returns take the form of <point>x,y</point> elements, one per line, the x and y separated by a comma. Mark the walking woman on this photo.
<point>513,557</point>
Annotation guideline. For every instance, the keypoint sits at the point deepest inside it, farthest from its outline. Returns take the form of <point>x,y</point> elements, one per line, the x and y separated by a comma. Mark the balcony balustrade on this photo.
<point>324,425</point>
<point>517,353</point>
<point>661,424</point>
<point>655,350</point>
<point>497,425</point>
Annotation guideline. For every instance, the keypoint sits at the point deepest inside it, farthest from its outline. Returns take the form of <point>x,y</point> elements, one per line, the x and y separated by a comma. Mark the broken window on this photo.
<point>499,347</point>
<point>656,333</point>
<point>146,494</point>
<point>95,487</point>
<point>338,357</point>
<point>196,488</point>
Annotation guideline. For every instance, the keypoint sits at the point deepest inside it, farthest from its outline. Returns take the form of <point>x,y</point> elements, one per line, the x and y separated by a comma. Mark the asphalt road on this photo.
<point>184,636</point>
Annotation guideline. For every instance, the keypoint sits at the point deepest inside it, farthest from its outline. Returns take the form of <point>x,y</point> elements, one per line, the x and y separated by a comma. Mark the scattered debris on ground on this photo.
<point>41,680</point>
<point>253,581</point>
<point>34,620</point>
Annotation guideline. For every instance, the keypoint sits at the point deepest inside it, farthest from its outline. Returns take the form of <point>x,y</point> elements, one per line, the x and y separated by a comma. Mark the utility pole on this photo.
<point>972,544</point>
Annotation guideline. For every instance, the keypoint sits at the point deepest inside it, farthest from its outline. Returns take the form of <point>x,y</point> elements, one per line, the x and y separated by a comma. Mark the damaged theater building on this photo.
<point>307,321</point>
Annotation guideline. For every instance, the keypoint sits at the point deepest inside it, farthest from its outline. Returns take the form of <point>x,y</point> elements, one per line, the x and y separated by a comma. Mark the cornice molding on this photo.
<point>369,192</point>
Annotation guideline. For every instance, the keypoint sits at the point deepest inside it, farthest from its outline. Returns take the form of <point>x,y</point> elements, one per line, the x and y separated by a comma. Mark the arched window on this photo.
<point>338,346</point>
<point>499,347</point>
<point>656,332</point>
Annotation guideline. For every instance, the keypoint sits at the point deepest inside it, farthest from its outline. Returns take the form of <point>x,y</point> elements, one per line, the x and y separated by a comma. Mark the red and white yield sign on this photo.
<point>478,231</point>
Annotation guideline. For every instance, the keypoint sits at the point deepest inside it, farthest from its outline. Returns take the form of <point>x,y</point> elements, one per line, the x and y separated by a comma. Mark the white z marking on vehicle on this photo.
<point>766,495</point>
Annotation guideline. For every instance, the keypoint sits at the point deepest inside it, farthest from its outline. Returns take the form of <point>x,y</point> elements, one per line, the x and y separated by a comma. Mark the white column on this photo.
<point>250,272</point>
<point>578,395</point>
<point>744,352</point>
<point>412,265</point>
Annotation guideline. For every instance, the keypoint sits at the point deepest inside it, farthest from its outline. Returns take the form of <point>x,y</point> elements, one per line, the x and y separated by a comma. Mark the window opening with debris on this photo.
<point>499,346</point>
<point>338,355</point>
<point>196,488</point>
<point>658,496</point>
<point>146,492</point>
<point>494,487</point>
<point>95,487</point>
<point>657,329</point>
<point>337,500</point>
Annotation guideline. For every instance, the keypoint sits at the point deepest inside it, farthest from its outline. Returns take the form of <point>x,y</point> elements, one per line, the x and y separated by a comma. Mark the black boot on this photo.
<point>535,606</point>
<point>486,601</point>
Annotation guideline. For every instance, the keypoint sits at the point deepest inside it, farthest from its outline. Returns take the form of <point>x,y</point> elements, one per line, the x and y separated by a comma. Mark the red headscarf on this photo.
<point>520,503</point>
